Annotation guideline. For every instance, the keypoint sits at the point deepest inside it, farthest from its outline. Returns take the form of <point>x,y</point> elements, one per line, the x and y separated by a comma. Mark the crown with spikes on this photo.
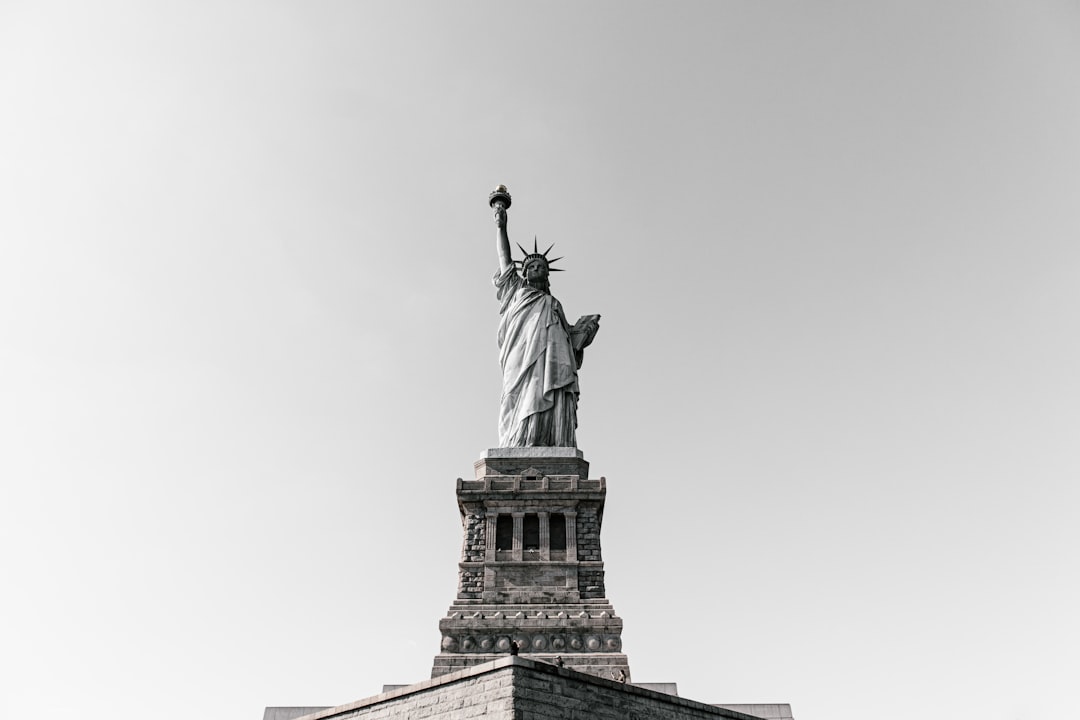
<point>537,255</point>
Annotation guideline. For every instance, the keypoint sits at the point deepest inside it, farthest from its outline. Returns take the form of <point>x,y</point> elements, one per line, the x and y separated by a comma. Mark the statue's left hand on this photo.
<point>584,331</point>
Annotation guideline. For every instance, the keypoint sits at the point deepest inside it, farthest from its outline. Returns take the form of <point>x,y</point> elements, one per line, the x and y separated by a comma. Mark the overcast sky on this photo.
<point>247,342</point>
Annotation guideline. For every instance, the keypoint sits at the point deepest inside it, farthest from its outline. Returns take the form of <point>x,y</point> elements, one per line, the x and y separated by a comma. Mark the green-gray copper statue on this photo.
<point>539,350</point>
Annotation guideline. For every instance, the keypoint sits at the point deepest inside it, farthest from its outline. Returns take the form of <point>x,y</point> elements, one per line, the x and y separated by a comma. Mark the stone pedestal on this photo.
<point>531,570</point>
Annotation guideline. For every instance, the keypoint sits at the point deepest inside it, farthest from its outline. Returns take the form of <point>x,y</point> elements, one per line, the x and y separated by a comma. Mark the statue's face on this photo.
<point>535,270</point>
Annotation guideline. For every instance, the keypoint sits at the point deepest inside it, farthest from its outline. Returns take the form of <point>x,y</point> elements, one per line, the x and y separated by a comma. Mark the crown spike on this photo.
<point>523,250</point>
<point>553,261</point>
<point>549,250</point>
<point>535,251</point>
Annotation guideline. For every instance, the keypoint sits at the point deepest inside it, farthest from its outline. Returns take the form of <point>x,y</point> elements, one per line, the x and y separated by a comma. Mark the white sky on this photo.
<point>247,342</point>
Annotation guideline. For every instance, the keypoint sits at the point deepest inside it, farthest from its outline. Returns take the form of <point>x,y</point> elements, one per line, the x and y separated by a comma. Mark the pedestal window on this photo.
<point>557,536</point>
<point>504,537</point>
<point>530,537</point>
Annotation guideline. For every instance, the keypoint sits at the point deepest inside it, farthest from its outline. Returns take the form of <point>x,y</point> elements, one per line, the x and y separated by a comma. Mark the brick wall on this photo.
<point>559,695</point>
<point>474,548</point>
<point>590,578</point>
<point>475,531</point>
<point>484,695</point>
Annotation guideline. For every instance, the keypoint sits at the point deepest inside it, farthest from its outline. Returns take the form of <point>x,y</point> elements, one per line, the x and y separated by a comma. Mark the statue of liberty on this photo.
<point>540,352</point>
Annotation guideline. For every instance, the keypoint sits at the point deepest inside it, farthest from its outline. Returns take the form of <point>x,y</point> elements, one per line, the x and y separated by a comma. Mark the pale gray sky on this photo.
<point>247,341</point>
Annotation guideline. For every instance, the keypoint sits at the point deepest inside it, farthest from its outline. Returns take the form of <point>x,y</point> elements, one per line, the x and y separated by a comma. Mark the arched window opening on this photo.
<point>557,536</point>
<point>530,537</point>
<point>504,536</point>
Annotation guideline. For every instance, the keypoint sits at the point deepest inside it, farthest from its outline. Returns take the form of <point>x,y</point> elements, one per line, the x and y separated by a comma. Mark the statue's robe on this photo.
<point>540,383</point>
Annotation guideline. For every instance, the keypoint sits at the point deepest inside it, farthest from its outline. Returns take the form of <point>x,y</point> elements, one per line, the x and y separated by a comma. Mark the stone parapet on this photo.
<point>543,460</point>
<point>537,484</point>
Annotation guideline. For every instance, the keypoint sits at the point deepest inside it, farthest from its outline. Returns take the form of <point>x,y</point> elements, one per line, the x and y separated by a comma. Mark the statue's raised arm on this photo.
<point>540,352</point>
<point>500,201</point>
